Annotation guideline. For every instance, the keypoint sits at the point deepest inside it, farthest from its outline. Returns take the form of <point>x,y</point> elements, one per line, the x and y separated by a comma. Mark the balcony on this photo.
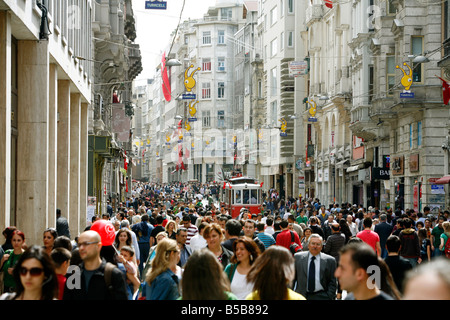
<point>313,14</point>
<point>361,124</point>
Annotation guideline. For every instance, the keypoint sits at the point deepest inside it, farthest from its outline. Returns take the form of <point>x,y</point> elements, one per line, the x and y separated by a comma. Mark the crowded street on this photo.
<point>224,158</point>
<point>180,241</point>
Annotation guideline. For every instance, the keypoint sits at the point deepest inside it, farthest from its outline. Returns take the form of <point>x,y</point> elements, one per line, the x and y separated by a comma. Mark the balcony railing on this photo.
<point>313,13</point>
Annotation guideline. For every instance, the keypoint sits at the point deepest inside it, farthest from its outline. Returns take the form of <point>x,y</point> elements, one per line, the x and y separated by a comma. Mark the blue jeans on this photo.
<point>413,261</point>
<point>436,252</point>
<point>384,253</point>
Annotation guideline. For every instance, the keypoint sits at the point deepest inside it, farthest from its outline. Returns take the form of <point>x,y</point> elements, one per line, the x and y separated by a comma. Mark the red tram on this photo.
<point>242,192</point>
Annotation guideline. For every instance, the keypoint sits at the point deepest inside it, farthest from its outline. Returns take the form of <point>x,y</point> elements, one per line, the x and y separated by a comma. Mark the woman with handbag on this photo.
<point>10,259</point>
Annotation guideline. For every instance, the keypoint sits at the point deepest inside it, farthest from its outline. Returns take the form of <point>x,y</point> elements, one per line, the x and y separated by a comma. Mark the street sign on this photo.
<point>156,5</point>
<point>189,96</point>
<point>407,95</point>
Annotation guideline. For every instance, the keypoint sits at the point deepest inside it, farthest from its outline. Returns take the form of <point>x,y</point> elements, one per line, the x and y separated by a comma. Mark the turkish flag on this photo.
<point>328,4</point>
<point>165,79</point>
<point>445,90</point>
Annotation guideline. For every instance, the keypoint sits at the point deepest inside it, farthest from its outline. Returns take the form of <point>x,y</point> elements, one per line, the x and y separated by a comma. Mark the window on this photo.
<point>221,64</point>
<point>273,15</point>
<point>221,119</point>
<point>186,39</point>
<point>411,136</point>
<point>371,83</point>
<point>221,37</point>
<point>419,133</point>
<point>274,111</point>
<point>282,8</point>
<point>396,141</point>
<point>226,13</point>
<point>273,47</point>
<point>390,74</point>
<point>206,118</point>
<point>290,41</point>
<point>391,7</point>
<point>417,49</point>
<point>206,90</point>
<point>290,6</point>
<point>273,82</point>
<point>221,90</point>
<point>260,89</point>
<point>206,64</point>
<point>281,41</point>
<point>206,37</point>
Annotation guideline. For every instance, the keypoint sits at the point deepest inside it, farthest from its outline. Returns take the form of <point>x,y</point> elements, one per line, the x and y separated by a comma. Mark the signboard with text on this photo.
<point>162,5</point>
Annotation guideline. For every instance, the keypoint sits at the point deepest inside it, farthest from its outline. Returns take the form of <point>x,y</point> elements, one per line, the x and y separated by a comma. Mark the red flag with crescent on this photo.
<point>165,79</point>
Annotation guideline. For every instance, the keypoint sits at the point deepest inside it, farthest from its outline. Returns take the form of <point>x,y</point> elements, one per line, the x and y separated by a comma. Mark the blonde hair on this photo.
<point>446,226</point>
<point>174,226</point>
<point>162,259</point>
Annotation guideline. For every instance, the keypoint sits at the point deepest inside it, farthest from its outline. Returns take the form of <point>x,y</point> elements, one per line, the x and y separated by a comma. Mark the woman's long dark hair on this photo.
<point>50,284</point>
<point>345,229</point>
<point>249,245</point>
<point>203,277</point>
<point>272,272</point>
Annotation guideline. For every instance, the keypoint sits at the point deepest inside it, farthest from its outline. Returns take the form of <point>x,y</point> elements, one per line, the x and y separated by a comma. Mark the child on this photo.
<point>127,258</point>
<point>61,258</point>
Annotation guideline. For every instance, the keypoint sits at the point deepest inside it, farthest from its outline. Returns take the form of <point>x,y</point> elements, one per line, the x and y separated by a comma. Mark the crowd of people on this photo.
<point>178,242</point>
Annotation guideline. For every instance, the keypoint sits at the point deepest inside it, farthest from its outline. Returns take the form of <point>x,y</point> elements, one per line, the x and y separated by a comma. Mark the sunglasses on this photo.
<point>34,272</point>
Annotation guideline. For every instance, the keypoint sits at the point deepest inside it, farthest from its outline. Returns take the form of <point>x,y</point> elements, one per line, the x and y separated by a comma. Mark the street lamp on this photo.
<point>420,59</point>
<point>173,63</point>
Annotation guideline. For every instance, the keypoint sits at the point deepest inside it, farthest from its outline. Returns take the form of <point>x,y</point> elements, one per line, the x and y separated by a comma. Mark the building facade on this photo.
<point>45,97</point>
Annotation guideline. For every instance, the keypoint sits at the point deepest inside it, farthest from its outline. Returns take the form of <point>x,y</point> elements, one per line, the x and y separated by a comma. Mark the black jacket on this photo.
<point>75,288</point>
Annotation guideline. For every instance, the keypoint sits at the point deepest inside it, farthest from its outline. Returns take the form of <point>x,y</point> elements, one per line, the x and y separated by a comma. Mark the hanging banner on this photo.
<point>192,111</point>
<point>283,128</point>
<point>121,124</point>
<point>312,111</point>
<point>189,81</point>
<point>406,82</point>
<point>298,68</point>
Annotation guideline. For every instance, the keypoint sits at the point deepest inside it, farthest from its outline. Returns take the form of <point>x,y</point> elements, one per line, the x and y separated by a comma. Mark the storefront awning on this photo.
<point>443,180</point>
<point>354,168</point>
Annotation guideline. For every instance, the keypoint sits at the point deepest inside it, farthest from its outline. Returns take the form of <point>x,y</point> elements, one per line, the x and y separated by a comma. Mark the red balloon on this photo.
<point>106,231</point>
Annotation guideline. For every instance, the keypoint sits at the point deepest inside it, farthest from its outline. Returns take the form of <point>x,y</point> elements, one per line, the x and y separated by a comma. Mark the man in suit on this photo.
<point>384,230</point>
<point>185,249</point>
<point>314,272</point>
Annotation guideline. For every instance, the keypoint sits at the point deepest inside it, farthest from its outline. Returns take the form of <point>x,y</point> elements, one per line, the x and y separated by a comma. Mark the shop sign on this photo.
<point>397,165</point>
<point>381,173</point>
<point>414,162</point>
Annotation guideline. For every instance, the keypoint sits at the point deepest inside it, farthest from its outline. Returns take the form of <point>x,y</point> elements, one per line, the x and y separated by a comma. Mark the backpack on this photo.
<point>294,247</point>
<point>108,272</point>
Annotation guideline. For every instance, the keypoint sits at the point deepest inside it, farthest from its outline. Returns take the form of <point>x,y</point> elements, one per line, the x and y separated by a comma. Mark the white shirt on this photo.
<point>197,242</point>
<point>240,287</point>
<point>318,286</point>
<point>269,230</point>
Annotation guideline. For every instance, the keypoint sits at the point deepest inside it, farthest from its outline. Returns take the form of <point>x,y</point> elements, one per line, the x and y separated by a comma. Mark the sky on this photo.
<point>154,26</point>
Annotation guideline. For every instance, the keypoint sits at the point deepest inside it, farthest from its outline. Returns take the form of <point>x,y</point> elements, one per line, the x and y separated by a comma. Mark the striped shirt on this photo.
<point>266,238</point>
<point>191,231</point>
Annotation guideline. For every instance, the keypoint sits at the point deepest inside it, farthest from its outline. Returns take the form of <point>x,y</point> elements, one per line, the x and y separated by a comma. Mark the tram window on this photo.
<point>254,196</point>
<point>238,196</point>
<point>246,196</point>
